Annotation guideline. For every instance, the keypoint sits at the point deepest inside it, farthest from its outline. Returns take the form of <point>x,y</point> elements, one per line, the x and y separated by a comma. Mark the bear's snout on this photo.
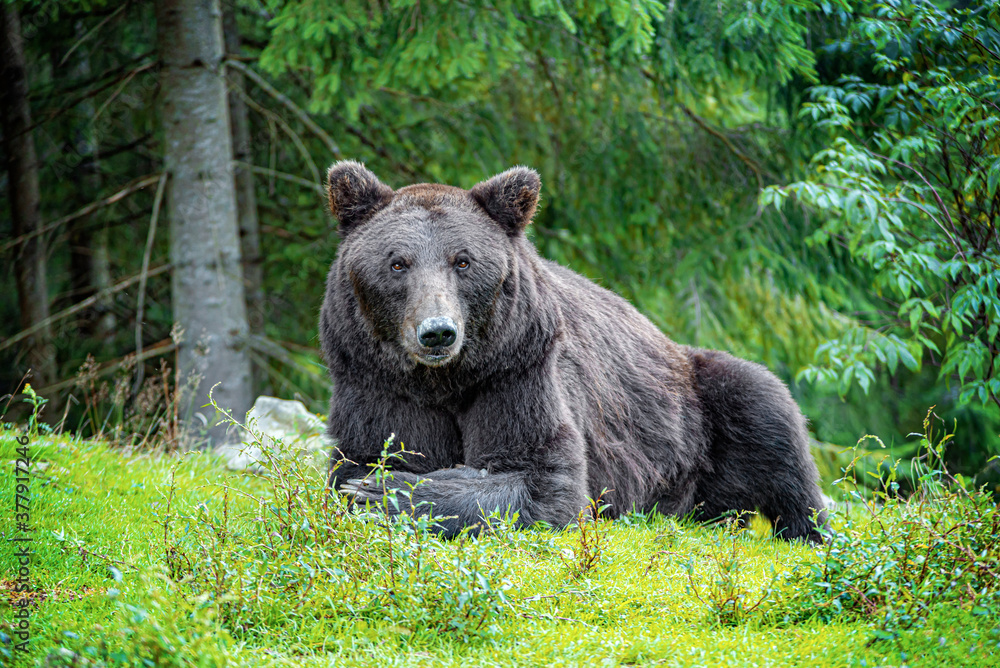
<point>433,340</point>
<point>438,332</point>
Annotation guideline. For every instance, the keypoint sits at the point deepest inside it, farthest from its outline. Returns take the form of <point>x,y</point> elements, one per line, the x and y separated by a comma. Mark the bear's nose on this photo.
<point>437,332</point>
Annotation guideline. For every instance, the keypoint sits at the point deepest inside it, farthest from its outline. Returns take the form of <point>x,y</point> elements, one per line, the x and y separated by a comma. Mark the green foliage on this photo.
<point>592,538</point>
<point>354,50</point>
<point>36,402</point>
<point>908,186</point>
<point>726,593</point>
<point>902,556</point>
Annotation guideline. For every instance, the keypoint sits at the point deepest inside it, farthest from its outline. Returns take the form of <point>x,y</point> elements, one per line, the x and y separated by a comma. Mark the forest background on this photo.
<point>810,185</point>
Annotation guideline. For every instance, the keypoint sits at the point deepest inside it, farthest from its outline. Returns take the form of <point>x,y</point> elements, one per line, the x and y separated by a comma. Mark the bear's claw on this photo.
<point>361,490</point>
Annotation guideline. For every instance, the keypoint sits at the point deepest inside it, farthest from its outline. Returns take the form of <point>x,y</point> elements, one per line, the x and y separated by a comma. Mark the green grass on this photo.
<point>658,591</point>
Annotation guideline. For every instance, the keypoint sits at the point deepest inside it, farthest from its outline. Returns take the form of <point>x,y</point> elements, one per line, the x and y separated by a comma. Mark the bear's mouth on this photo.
<point>435,358</point>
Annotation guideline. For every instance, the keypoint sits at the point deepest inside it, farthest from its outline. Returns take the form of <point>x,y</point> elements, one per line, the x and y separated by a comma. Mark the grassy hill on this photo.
<point>146,558</point>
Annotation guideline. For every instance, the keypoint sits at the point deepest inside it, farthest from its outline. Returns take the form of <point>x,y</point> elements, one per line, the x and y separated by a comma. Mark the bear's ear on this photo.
<point>355,194</point>
<point>510,198</point>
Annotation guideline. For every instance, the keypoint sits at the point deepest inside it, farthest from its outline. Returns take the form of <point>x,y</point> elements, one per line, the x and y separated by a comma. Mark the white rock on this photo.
<point>281,427</point>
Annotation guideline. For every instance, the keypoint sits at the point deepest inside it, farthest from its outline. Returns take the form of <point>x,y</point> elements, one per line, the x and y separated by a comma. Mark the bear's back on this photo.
<point>630,387</point>
<point>606,323</point>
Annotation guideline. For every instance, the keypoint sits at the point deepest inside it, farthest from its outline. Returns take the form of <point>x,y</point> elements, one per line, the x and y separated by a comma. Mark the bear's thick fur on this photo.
<point>442,325</point>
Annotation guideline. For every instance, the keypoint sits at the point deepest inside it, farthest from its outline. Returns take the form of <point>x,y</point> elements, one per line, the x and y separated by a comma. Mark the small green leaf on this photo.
<point>907,358</point>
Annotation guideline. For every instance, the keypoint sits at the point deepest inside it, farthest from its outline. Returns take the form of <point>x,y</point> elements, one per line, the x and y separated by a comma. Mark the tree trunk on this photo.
<point>246,200</point>
<point>90,268</point>
<point>105,326</point>
<point>22,177</point>
<point>207,291</point>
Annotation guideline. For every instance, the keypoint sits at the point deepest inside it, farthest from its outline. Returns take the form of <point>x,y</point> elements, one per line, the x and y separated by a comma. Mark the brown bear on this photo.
<point>442,325</point>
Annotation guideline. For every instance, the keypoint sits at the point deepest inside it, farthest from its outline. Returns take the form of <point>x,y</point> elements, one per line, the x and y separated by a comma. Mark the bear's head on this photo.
<point>427,263</point>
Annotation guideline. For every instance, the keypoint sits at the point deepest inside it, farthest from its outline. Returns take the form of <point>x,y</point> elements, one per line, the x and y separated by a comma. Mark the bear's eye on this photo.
<point>398,266</point>
<point>462,264</point>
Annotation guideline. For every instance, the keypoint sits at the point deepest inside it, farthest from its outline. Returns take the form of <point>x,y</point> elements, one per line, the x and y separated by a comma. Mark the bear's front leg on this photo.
<point>523,455</point>
<point>469,499</point>
<point>455,500</point>
<point>373,487</point>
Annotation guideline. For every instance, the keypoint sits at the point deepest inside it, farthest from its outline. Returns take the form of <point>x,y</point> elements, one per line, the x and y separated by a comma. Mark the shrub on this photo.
<point>297,553</point>
<point>906,555</point>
